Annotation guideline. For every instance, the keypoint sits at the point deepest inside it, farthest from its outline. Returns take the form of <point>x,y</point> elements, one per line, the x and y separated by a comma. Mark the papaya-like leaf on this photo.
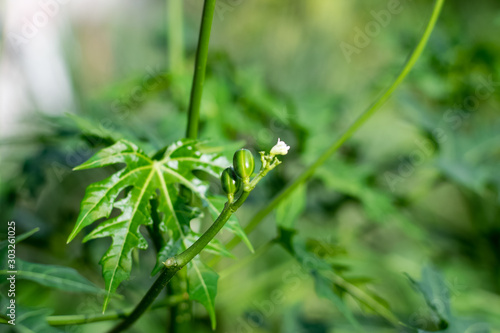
<point>142,178</point>
<point>324,288</point>
<point>202,286</point>
<point>130,190</point>
<point>319,269</point>
<point>436,293</point>
<point>202,280</point>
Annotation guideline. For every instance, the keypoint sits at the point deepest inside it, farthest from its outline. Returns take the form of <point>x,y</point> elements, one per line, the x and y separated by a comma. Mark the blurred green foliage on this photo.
<point>417,187</point>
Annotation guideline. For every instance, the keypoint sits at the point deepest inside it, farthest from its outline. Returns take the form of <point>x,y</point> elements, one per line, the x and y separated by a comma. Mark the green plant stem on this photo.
<point>199,69</point>
<point>86,318</point>
<point>165,276</point>
<point>159,242</point>
<point>188,255</point>
<point>261,214</point>
<point>176,263</point>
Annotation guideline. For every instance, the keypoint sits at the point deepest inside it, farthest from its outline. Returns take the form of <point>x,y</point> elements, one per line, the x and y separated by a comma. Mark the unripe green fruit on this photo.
<point>243,163</point>
<point>230,181</point>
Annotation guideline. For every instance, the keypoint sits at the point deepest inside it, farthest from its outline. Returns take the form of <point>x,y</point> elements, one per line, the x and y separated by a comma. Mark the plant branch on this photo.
<point>177,262</point>
<point>199,69</point>
<point>370,111</point>
<point>172,266</point>
<point>165,276</point>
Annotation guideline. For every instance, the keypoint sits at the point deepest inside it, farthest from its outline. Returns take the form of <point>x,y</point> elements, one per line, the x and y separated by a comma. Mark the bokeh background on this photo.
<point>415,192</point>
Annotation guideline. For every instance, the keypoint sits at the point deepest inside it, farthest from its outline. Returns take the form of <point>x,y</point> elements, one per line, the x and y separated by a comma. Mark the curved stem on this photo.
<point>199,69</point>
<point>176,263</point>
<point>165,276</point>
<point>257,218</point>
<point>185,257</point>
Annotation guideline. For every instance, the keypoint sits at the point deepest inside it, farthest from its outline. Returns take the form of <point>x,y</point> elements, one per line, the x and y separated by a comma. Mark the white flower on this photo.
<point>280,148</point>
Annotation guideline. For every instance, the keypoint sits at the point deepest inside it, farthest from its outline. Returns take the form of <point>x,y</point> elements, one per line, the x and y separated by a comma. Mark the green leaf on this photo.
<point>100,197</point>
<point>324,288</point>
<point>289,209</point>
<point>292,320</point>
<point>326,278</point>
<point>434,290</point>
<point>34,321</point>
<point>92,127</point>
<point>141,179</point>
<point>436,294</point>
<point>19,238</point>
<point>176,221</point>
<point>202,286</point>
<point>58,277</point>
<point>202,280</point>
<point>319,269</point>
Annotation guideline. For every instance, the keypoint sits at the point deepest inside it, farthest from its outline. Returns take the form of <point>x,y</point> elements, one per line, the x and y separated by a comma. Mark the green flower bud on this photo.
<point>243,163</point>
<point>230,181</point>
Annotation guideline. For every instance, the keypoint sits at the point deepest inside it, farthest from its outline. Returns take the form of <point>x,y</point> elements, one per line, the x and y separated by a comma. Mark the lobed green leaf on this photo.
<point>58,277</point>
<point>140,179</point>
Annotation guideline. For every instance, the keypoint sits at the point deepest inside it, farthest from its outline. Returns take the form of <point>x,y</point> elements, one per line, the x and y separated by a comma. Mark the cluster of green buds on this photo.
<point>238,176</point>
